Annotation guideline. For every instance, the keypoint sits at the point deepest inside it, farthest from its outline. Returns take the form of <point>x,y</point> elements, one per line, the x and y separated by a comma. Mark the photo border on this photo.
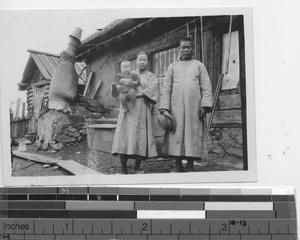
<point>249,175</point>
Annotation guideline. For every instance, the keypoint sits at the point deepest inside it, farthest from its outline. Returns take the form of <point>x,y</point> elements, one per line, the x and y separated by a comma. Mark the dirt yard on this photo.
<point>108,164</point>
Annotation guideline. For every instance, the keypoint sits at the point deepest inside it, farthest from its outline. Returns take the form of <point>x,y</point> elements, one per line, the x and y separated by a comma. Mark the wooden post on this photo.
<point>243,89</point>
<point>23,110</point>
<point>93,93</point>
<point>87,83</point>
<point>11,114</point>
<point>202,40</point>
<point>18,109</point>
<point>229,46</point>
<point>218,88</point>
<point>195,40</point>
<point>187,30</point>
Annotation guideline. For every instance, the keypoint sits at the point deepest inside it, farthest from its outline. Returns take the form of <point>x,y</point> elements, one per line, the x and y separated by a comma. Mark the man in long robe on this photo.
<point>187,94</point>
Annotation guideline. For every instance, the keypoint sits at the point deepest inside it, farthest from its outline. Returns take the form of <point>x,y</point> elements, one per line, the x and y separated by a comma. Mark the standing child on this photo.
<point>125,84</point>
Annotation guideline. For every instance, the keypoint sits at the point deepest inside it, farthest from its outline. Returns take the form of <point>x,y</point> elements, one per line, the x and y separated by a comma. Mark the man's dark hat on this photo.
<point>167,121</point>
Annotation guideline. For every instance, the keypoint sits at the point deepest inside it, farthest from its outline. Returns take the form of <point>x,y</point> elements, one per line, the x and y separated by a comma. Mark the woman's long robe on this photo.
<point>186,88</point>
<point>134,132</point>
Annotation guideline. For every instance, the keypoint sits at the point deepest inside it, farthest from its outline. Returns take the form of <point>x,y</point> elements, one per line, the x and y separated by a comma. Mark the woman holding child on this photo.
<point>134,136</point>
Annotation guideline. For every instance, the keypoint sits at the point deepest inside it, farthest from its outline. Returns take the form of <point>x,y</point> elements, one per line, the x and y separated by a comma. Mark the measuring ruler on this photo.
<point>92,213</point>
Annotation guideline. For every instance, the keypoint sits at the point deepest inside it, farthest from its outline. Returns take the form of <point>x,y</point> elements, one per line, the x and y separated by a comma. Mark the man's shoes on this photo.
<point>123,164</point>
<point>124,170</point>
<point>137,166</point>
<point>189,166</point>
<point>178,166</point>
<point>177,170</point>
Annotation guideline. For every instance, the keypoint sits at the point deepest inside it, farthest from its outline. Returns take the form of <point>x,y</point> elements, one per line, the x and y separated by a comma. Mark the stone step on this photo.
<point>102,126</point>
<point>106,120</point>
<point>21,141</point>
<point>100,136</point>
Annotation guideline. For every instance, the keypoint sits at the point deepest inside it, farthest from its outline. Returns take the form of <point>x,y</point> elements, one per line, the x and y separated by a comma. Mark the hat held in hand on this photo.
<point>167,121</point>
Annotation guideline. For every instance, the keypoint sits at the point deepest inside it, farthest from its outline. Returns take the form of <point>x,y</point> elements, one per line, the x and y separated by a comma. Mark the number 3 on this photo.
<point>224,226</point>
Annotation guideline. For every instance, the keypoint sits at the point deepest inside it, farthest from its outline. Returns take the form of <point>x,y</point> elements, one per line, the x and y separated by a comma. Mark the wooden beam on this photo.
<point>69,165</point>
<point>88,83</point>
<point>41,83</point>
<point>35,157</point>
<point>76,168</point>
<point>44,53</point>
<point>227,125</point>
<point>93,93</point>
<point>230,101</point>
<point>227,116</point>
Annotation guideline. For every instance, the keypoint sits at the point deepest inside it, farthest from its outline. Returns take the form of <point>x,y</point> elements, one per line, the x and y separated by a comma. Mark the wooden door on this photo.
<point>228,112</point>
<point>233,76</point>
<point>160,62</point>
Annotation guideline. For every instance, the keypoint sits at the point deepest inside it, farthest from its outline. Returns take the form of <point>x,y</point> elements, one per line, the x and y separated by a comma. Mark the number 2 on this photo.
<point>145,226</point>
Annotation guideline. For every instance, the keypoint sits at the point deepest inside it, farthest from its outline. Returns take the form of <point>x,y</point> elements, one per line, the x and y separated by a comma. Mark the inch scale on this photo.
<point>147,213</point>
<point>142,229</point>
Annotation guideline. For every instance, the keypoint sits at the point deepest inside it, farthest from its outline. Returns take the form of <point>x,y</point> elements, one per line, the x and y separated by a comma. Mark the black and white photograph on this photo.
<point>117,96</point>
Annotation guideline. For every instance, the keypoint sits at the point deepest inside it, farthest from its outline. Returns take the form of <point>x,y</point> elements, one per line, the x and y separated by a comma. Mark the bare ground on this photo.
<point>109,164</point>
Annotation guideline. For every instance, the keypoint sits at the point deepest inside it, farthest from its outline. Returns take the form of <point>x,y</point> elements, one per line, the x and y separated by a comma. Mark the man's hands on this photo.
<point>162,110</point>
<point>202,113</point>
<point>139,95</point>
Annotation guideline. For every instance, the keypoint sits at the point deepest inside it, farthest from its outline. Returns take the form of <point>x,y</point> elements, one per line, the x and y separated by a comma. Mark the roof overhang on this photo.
<point>127,32</point>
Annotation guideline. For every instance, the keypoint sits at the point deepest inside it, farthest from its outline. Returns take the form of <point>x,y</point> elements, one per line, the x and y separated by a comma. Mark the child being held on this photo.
<point>125,84</point>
